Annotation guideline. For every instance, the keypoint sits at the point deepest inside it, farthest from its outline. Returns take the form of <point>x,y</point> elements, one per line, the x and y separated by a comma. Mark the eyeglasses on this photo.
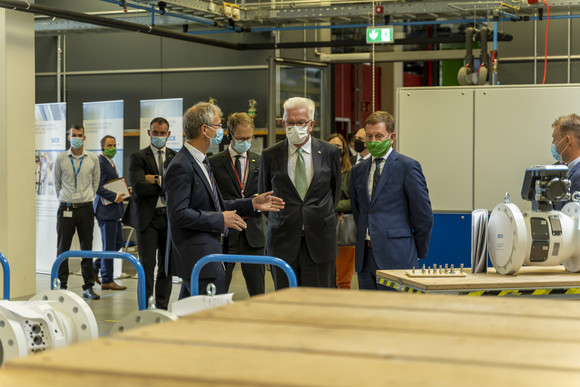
<point>299,123</point>
<point>243,139</point>
<point>220,126</point>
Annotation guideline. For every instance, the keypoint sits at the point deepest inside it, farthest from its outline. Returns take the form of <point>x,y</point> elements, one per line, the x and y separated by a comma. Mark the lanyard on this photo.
<point>236,172</point>
<point>76,171</point>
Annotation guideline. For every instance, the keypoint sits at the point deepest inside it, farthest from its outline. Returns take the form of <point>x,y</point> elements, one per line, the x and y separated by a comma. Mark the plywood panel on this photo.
<point>435,127</point>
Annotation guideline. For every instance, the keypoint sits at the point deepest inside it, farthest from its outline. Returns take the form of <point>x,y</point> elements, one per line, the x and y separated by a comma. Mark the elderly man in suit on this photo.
<point>305,171</point>
<point>566,149</point>
<point>147,211</point>
<point>391,206</point>
<point>108,208</point>
<point>236,173</point>
<point>199,218</point>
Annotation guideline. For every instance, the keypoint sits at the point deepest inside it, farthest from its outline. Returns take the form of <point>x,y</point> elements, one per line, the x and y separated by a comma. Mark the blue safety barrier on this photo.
<point>258,259</point>
<point>6,275</point>
<point>106,255</point>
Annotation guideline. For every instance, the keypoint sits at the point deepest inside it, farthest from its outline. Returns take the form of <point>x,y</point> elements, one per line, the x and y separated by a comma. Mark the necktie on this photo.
<point>301,185</point>
<point>160,162</point>
<point>161,169</point>
<point>377,175</point>
<point>238,167</point>
<point>214,189</point>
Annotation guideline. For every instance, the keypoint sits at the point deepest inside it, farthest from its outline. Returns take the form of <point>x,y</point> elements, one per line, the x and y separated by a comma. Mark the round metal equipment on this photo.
<point>142,318</point>
<point>507,238</point>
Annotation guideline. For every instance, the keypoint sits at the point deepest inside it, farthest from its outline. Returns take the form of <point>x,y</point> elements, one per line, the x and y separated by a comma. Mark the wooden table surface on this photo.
<point>529,277</point>
<point>331,337</point>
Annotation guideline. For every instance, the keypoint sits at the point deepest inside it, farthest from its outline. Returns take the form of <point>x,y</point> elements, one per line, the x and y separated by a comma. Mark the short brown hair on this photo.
<point>569,125</point>
<point>381,116</point>
<point>236,119</point>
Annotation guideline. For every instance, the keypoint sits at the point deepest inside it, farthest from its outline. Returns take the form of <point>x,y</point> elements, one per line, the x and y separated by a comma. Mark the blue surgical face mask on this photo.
<point>555,154</point>
<point>242,146</point>
<point>158,142</point>
<point>219,135</point>
<point>76,142</point>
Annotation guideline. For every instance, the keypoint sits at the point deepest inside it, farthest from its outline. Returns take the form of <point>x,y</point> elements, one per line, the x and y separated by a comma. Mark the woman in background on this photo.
<point>345,258</point>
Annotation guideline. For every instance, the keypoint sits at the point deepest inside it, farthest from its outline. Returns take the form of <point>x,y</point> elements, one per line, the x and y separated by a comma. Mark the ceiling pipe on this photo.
<point>24,6</point>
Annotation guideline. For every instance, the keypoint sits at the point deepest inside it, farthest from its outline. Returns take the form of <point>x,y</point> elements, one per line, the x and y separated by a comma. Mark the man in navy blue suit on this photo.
<point>566,148</point>
<point>198,216</point>
<point>108,207</point>
<point>390,204</point>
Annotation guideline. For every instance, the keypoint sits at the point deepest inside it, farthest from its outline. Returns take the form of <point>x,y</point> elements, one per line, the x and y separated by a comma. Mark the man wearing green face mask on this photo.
<point>391,206</point>
<point>108,207</point>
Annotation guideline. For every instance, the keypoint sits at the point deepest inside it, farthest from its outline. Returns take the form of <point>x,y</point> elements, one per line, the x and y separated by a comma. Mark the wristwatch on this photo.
<point>156,179</point>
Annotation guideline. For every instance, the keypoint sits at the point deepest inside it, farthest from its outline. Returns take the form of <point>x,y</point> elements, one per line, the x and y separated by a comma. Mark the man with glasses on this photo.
<point>360,147</point>
<point>199,218</point>
<point>236,172</point>
<point>305,171</point>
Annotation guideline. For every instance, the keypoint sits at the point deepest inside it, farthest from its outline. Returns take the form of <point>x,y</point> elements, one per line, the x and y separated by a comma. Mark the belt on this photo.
<point>76,205</point>
<point>368,244</point>
<point>160,211</point>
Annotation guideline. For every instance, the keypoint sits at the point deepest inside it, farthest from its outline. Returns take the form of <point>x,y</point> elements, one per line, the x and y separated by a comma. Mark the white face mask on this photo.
<point>297,134</point>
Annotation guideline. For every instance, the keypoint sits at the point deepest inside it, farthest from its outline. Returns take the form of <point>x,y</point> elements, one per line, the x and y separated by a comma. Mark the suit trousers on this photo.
<point>308,272</point>
<point>344,266</point>
<point>367,278</point>
<point>82,221</point>
<point>253,273</point>
<point>151,244</point>
<point>112,237</point>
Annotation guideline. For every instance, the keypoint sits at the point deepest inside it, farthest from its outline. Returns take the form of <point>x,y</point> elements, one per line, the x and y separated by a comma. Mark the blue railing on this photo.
<point>264,260</point>
<point>6,276</point>
<point>106,255</point>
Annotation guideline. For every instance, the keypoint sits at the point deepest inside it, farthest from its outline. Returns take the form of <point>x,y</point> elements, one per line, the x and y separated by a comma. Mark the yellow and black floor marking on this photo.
<point>477,293</point>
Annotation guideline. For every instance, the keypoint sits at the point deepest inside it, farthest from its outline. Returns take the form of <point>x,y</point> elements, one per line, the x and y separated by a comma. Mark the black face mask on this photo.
<point>359,145</point>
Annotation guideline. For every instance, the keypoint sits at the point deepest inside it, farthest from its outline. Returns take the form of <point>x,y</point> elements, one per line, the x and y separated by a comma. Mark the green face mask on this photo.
<point>110,152</point>
<point>378,148</point>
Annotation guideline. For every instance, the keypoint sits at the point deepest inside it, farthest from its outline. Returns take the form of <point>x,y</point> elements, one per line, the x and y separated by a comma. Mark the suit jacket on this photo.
<point>195,226</point>
<point>399,216</point>
<point>316,213</point>
<point>574,177</point>
<point>144,196</point>
<point>227,181</point>
<point>112,211</point>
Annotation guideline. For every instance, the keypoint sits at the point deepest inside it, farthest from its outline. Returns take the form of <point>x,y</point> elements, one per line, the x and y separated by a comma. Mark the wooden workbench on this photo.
<point>331,337</point>
<point>534,280</point>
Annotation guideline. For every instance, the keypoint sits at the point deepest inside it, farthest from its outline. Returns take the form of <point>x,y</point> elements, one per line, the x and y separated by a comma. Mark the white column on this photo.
<point>17,145</point>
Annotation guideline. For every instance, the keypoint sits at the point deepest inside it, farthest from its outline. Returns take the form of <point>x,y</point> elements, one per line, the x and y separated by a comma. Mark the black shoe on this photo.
<point>90,294</point>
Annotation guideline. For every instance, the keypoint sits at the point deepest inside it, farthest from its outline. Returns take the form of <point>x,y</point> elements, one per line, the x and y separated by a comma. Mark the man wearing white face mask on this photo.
<point>147,210</point>
<point>305,171</point>
<point>236,173</point>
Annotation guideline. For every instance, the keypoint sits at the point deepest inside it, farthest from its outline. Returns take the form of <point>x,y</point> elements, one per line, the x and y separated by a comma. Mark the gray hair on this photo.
<point>299,103</point>
<point>199,114</point>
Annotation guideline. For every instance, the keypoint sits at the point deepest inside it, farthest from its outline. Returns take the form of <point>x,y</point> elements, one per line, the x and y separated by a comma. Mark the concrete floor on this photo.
<point>114,305</point>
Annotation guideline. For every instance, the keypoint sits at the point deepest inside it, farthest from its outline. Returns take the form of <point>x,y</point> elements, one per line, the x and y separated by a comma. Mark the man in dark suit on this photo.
<point>566,148</point>
<point>147,211</point>
<point>391,206</point>
<point>360,147</point>
<point>304,171</point>
<point>236,173</point>
<point>108,207</point>
<point>199,218</point>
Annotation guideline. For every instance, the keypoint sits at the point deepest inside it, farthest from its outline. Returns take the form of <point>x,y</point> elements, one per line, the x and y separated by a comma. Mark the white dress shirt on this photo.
<point>243,163</point>
<point>293,156</point>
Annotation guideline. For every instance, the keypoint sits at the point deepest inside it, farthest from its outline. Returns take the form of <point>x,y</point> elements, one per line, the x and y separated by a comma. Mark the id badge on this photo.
<point>76,195</point>
<point>67,213</point>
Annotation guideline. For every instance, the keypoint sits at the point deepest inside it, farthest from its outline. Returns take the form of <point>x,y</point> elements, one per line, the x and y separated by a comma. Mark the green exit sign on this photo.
<point>380,35</point>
